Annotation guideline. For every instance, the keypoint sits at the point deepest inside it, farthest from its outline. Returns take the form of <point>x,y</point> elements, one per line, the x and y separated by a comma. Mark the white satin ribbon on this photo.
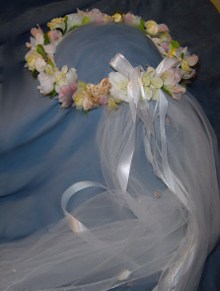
<point>75,225</point>
<point>123,66</point>
<point>135,92</point>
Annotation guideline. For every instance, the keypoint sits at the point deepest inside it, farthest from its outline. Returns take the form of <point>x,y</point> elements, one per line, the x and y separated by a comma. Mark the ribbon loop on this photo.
<point>75,225</point>
<point>120,64</point>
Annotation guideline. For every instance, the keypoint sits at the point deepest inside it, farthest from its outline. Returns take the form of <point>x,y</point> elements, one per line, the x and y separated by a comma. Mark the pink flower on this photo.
<point>192,60</point>
<point>163,28</point>
<point>177,91</point>
<point>54,36</point>
<point>95,15</point>
<point>37,33</point>
<point>38,37</point>
<point>164,47</point>
<point>66,94</point>
<point>103,100</point>
<point>171,79</point>
<point>131,19</point>
<point>172,76</point>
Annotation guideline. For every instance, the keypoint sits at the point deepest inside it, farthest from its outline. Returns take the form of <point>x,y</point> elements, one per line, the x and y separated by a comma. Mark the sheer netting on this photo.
<point>164,225</point>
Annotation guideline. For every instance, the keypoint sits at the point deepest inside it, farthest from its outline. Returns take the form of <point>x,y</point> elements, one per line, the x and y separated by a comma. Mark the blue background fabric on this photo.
<point>35,134</point>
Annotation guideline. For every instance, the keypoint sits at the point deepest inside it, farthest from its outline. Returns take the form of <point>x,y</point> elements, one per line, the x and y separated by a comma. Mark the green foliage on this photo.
<point>41,51</point>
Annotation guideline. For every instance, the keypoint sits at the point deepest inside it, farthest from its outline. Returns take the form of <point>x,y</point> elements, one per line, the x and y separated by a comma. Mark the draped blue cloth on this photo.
<point>40,149</point>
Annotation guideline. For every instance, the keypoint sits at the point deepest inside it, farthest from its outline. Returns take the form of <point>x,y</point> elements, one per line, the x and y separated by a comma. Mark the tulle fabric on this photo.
<point>152,230</point>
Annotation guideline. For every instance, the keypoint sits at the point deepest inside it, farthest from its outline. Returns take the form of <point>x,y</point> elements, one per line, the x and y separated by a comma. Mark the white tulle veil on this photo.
<point>159,229</point>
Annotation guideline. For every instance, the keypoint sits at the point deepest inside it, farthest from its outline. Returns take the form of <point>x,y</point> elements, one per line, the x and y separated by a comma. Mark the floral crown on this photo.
<point>170,76</point>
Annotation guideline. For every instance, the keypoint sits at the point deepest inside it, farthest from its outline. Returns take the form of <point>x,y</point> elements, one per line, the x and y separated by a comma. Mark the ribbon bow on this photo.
<point>139,107</point>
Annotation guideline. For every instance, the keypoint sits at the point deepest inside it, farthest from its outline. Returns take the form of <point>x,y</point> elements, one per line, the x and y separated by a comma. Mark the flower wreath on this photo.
<point>113,89</point>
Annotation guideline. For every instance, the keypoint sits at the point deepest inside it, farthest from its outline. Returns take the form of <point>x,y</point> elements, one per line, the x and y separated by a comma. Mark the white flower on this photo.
<point>50,49</point>
<point>71,76</point>
<point>171,79</point>
<point>46,83</point>
<point>65,77</point>
<point>73,20</point>
<point>119,85</point>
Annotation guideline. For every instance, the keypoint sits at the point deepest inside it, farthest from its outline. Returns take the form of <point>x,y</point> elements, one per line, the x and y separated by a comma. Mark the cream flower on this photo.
<point>57,23</point>
<point>117,17</point>
<point>151,27</point>
<point>148,93</point>
<point>151,83</point>
<point>46,83</point>
<point>155,94</point>
<point>119,85</point>
<point>35,61</point>
<point>82,98</point>
<point>99,93</point>
<point>156,82</point>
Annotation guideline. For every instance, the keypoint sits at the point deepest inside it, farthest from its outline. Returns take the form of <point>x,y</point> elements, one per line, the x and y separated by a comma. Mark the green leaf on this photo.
<point>41,51</point>
<point>86,113</point>
<point>53,94</point>
<point>74,27</point>
<point>46,39</point>
<point>175,44</point>
<point>65,22</point>
<point>142,25</point>
<point>58,28</point>
<point>85,20</point>
<point>34,74</point>
<point>51,63</point>
<point>166,90</point>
